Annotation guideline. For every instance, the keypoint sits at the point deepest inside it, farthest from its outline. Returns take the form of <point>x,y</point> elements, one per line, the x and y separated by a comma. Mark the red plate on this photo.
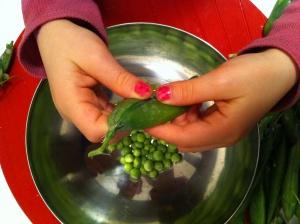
<point>228,25</point>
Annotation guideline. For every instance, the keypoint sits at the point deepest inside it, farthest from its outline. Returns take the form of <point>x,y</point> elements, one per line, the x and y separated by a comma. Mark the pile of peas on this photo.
<point>144,155</point>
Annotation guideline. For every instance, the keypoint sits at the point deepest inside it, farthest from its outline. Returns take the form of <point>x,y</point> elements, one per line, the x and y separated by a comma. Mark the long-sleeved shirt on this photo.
<point>285,34</point>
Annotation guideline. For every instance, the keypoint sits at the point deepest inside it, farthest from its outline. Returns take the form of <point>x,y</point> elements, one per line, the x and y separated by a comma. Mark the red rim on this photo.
<point>235,23</point>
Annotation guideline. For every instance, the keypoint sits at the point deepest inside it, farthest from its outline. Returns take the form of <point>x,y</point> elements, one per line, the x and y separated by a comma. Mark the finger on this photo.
<point>83,108</point>
<point>102,66</point>
<point>91,122</point>
<point>203,134</point>
<point>213,86</point>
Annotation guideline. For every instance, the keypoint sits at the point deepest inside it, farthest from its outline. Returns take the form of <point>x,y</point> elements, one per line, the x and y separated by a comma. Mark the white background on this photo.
<point>11,25</point>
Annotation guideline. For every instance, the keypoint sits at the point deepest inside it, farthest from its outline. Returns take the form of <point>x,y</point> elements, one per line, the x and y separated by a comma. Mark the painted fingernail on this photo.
<point>163,93</point>
<point>142,88</point>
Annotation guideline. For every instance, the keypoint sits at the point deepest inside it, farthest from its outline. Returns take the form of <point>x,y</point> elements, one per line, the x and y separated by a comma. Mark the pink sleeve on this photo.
<point>38,12</point>
<point>285,35</point>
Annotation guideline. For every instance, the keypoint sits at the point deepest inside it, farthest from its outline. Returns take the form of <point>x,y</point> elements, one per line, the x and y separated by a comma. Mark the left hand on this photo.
<point>244,89</point>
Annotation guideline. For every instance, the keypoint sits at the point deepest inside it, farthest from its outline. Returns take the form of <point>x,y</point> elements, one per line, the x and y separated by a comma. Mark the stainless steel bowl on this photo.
<point>205,188</point>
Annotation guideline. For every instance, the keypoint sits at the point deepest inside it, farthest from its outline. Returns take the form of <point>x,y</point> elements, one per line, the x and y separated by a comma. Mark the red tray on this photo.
<point>228,25</point>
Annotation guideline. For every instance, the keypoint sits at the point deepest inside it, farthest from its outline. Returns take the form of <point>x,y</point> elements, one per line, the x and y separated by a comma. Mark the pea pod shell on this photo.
<point>150,113</point>
<point>119,111</point>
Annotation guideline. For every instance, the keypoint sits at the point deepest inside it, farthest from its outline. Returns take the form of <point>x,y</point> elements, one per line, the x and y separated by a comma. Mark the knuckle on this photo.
<point>123,78</point>
<point>183,93</point>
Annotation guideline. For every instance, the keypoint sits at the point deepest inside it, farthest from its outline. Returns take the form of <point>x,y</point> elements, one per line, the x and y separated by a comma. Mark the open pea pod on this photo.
<point>137,114</point>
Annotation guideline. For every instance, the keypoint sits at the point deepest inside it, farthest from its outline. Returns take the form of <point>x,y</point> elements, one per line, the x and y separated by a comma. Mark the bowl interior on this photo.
<point>205,188</point>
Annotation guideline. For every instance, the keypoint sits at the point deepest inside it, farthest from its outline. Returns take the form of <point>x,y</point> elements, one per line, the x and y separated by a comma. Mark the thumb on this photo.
<point>203,88</point>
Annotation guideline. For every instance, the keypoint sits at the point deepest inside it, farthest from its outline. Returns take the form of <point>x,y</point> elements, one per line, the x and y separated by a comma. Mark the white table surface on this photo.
<point>11,24</point>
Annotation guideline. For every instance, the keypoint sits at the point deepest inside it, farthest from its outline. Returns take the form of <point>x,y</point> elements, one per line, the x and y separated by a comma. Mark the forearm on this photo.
<point>285,35</point>
<point>38,12</point>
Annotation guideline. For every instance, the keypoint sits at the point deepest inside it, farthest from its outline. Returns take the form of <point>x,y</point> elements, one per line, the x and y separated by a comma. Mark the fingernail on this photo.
<point>163,93</point>
<point>142,88</point>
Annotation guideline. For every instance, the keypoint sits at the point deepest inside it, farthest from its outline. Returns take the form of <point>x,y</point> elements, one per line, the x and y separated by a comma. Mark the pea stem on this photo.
<point>109,135</point>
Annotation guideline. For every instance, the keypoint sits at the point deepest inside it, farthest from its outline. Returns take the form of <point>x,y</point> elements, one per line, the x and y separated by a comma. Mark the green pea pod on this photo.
<point>137,114</point>
<point>150,113</point>
<point>291,182</point>
<point>275,14</point>
<point>275,177</point>
<point>257,207</point>
<point>6,56</point>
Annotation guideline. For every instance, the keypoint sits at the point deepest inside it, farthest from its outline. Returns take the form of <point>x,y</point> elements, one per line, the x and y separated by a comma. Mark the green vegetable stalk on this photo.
<point>274,179</point>
<point>275,14</point>
<point>5,61</point>
<point>291,183</point>
<point>258,206</point>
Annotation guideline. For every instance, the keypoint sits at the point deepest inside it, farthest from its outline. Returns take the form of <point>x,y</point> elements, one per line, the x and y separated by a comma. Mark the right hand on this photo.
<point>76,60</point>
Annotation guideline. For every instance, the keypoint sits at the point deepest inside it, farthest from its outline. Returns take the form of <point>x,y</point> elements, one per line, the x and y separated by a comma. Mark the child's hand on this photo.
<point>76,60</point>
<point>243,89</point>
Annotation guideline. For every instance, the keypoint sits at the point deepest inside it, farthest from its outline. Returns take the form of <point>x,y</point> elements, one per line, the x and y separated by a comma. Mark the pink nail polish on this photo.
<point>163,93</point>
<point>142,88</point>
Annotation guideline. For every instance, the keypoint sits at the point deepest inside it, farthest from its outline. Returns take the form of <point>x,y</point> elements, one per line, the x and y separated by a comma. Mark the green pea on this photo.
<point>162,148</point>
<point>153,174</point>
<point>148,165</point>
<point>128,167</point>
<point>111,147</point>
<point>143,160</point>
<point>122,160</point>
<point>129,158</point>
<point>144,152</point>
<point>167,163</point>
<point>126,141</point>
<point>136,152</point>
<point>146,147</point>
<point>172,148</point>
<point>140,137</point>
<point>176,157</point>
<point>133,132</point>
<point>138,145</point>
<point>152,148</point>
<point>125,150</point>
<point>158,166</point>
<point>147,142</point>
<point>120,145</point>
<point>135,173</point>
<point>137,162</point>
<point>158,155</point>
<point>168,155</point>
<point>143,171</point>
<point>149,156</point>
<point>162,142</point>
<point>133,137</point>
